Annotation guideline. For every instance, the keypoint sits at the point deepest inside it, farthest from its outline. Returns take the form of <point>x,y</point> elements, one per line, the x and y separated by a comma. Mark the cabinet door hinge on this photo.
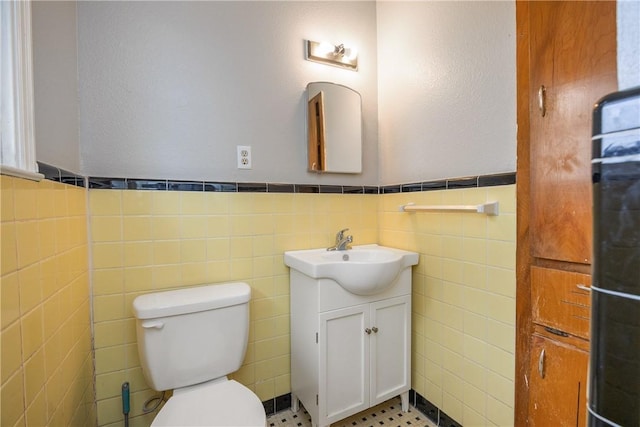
<point>316,400</point>
<point>316,338</point>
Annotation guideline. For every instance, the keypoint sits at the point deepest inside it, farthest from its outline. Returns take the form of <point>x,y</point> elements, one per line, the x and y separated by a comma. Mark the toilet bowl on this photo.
<point>189,340</point>
<point>219,403</point>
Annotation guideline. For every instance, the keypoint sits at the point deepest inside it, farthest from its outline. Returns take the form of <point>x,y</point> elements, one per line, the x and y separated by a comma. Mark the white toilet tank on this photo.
<point>189,336</point>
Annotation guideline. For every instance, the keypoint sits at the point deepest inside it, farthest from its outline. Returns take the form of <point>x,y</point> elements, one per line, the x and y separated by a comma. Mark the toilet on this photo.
<point>188,341</point>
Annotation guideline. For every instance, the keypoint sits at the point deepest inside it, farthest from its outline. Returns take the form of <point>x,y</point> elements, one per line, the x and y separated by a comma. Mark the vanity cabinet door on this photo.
<point>344,363</point>
<point>558,384</point>
<point>390,348</point>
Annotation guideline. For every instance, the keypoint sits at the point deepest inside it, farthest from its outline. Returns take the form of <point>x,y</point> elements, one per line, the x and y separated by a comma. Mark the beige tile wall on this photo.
<point>46,361</point>
<point>463,300</point>
<point>464,289</point>
<point>146,241</point>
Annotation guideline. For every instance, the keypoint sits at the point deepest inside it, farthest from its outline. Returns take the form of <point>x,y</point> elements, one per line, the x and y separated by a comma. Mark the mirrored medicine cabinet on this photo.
<point>334,128</point>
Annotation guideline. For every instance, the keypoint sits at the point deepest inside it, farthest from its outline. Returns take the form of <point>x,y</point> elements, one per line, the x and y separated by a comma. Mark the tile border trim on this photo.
<point>419,402</point>
<point>431,411</point>
<point>489,180</point>
<point>108,183</point>
<point>53,173</point>
<point>277,404</point>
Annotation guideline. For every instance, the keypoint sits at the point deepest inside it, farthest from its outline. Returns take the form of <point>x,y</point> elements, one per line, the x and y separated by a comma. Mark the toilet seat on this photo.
<point>216,403</point>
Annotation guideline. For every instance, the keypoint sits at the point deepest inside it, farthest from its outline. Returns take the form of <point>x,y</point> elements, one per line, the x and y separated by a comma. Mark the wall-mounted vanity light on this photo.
<point>337,55</point>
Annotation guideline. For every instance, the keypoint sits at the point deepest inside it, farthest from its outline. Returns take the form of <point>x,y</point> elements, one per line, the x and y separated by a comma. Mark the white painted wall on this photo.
<point>168,89</point>
<point>628,16</point>
<point>55,83</point>
<point>447,89</point>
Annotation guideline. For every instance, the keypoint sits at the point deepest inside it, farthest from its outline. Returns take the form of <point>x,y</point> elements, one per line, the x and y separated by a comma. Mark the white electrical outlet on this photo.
<point>244,156</point>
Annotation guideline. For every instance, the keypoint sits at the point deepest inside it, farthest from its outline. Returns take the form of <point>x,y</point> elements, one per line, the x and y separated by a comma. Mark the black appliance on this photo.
<point>614,366</point>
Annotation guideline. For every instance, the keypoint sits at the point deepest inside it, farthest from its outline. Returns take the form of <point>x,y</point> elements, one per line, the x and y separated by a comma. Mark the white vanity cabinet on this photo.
<point>348,352</point>
<point>364,356</point>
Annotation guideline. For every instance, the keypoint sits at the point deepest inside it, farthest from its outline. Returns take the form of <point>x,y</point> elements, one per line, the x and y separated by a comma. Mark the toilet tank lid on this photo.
<point>190,300</point>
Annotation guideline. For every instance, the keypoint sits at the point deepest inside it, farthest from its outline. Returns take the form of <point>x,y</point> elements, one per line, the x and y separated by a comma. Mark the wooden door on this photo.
<point>344,363</point>
<point>558,384</point>
<point>573,63</point>
<point>390,348</point>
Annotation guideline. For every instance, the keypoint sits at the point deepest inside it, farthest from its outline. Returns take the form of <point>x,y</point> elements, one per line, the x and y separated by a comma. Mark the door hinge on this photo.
<point>316,338</point>
<point>316,400</point>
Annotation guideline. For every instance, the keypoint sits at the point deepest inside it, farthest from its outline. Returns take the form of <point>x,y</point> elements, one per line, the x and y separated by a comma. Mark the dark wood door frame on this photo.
<point>524,328</point>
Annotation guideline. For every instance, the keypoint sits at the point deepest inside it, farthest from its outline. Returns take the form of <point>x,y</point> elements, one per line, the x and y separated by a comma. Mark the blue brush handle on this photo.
<point>125,398</point>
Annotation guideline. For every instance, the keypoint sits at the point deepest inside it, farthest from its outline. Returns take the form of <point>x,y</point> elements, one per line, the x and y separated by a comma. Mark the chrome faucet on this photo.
<point>342,242</point>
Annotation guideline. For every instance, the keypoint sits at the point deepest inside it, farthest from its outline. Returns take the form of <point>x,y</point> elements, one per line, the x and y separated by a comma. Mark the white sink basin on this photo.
<point>363,270</point>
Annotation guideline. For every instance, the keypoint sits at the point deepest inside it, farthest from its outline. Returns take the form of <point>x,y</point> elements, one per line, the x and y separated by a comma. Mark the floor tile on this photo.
<point>387,414</point>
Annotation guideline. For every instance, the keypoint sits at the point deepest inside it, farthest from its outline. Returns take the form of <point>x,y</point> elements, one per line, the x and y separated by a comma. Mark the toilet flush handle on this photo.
<point>153,324</point>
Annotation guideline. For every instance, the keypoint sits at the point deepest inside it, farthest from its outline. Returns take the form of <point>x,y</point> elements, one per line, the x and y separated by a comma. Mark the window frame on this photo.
<point>17,140</point>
